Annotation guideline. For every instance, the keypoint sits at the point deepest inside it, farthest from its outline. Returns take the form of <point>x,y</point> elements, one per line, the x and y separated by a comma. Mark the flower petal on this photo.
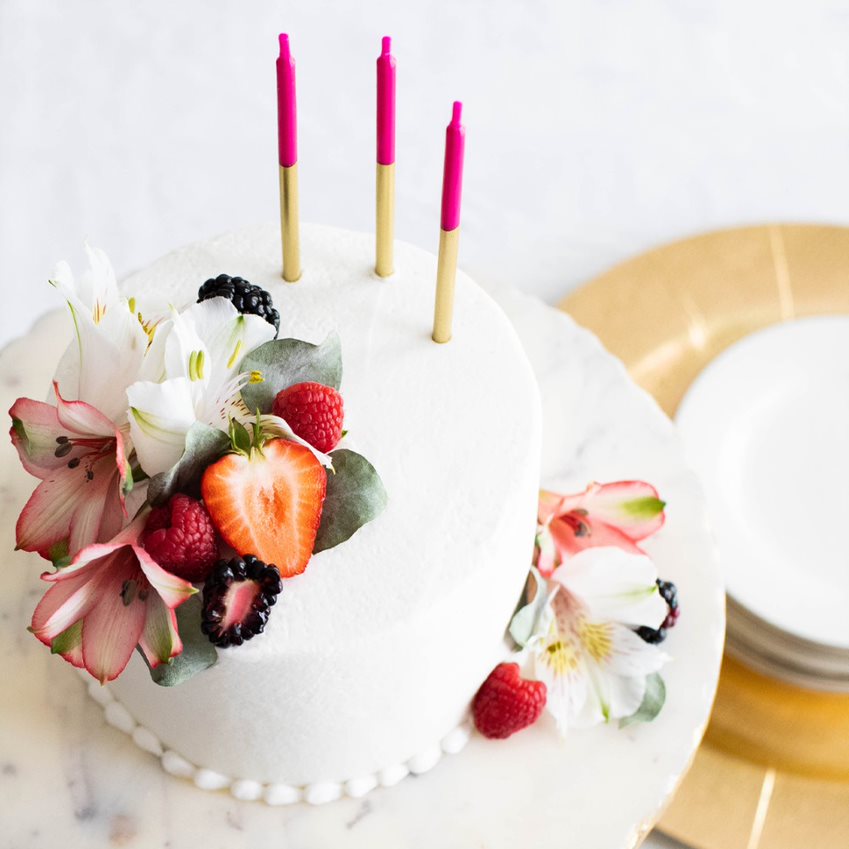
<point>81,418</point>
<point>615,586</point>
<point>275,426</point>
<point>572,533</point>
<point>160,416</point>
<point>560,666</point>
<point>610,697</point>
<point>72,508</point>
<point>112,626</point>
<point>69,645</point>
<point>633,507</point>
<point>63,605</point>
<point>550,505</point>
<point>35,428</point>
<point>160,640</point>
<point>99,512</point>
<point>173,590</point>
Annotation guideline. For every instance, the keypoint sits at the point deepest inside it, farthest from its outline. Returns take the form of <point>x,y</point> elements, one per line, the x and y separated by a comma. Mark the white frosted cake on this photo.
<point>373,654</point>
<point>291,535</point>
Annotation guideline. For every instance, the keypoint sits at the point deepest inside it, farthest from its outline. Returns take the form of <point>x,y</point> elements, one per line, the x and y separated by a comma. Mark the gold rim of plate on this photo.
<point>773,769</point>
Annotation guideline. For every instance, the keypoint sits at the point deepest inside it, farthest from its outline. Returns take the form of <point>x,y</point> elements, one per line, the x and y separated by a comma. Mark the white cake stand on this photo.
<point>68,779</point>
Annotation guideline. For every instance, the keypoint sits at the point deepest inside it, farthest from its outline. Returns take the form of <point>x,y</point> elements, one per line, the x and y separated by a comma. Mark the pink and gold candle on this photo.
<point>449,231</point>
<point>385,225</point>
<point>287,148</point>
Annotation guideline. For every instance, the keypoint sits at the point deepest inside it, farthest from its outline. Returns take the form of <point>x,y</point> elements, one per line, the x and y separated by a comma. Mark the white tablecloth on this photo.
<point>596,128</point>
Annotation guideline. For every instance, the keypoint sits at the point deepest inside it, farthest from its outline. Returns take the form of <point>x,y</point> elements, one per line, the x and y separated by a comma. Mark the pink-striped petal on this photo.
<point>173,590</point>
<point>633,507</point>
<point>160,640</point>
<point>35,428</point>
<point>63,605</point>
<point>71,509</point>
<point>584,532</point>
<point>112,626</point>
<point>81,418</point>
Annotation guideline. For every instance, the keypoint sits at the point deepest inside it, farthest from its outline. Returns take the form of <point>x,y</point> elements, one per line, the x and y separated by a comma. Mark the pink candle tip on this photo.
<point>287,116</point>
<point>452,177</point>
<point>386,104</point>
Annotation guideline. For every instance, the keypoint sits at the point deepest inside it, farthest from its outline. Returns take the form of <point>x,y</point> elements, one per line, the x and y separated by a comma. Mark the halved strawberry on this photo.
<point>267,501</point>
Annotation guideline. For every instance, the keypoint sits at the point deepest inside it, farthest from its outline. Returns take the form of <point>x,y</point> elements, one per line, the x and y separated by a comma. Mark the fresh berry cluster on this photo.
<point>669,593</point>
<point>507,703</point>
<point>237,597</point>
<point>181,538</point>
<point>247,298</point>
<point>314,412</point>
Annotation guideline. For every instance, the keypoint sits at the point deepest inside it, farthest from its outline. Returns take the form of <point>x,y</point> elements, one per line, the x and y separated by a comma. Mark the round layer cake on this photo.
<point>372,655</point>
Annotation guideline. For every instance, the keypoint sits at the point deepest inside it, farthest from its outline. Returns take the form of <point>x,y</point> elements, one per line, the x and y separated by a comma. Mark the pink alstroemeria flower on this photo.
<point>111,598</point>
<point>79,455</point>
<point>617,514</point>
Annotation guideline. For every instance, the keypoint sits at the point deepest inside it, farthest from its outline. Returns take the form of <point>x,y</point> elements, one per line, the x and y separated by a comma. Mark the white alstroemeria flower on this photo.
<point>593,664</point>
<point>115,343</point>
<point>200,380</point>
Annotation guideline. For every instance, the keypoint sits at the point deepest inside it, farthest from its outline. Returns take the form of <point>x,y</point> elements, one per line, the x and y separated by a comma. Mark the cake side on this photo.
<point>374,653</point>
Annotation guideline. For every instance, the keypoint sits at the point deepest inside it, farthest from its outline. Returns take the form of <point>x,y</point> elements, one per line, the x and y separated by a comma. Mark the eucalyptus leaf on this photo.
<point>285,362</point>
<point>355,496</point>
<point>528,619</point>
<point>204,445</point>
<point>652,702</point>
<point>198,652</point>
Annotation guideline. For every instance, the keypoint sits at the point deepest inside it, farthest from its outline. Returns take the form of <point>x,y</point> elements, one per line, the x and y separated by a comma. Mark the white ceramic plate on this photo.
<point>70,780</point>
<point>766,426</point>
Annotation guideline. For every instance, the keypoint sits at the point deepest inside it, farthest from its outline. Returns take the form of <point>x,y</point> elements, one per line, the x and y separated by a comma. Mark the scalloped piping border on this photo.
<point>247,790</point>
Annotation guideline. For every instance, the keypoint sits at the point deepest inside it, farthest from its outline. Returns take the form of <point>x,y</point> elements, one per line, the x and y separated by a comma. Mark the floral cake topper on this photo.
<point>189,463</point>
<point>592,617</point>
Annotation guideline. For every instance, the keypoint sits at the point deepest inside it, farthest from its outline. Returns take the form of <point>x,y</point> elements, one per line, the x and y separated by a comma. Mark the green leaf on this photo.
<point>198,653</point>
<point>240,437</point>
<point>355,496</point>
<point>528,619</point>
<point>285,362</point>
<point>652,702</point>
<point>204,445</point>
<point>643,508</point>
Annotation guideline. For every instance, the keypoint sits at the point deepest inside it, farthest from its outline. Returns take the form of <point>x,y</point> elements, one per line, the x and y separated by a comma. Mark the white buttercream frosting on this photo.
<point>371,657</point>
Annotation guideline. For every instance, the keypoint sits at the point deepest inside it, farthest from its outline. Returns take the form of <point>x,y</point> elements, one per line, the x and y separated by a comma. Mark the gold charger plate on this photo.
<point>773,770</point>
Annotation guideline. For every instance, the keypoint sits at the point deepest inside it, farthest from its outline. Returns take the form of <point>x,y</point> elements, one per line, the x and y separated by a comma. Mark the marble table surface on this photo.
<point>68,779</point>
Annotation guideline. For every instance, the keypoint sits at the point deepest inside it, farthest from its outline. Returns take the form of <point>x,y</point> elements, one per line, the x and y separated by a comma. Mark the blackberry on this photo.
<point>237,599</point>
<point>669,593</point>
<point>245,297</point>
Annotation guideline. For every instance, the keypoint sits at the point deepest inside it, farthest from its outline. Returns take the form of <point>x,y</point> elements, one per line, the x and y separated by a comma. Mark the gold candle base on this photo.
<point>385,230</point>
<point>290,232</point>
<point>446,273</point>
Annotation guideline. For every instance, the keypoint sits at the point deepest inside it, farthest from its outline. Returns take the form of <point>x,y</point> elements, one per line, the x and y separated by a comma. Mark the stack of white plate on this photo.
<point>766,426</point>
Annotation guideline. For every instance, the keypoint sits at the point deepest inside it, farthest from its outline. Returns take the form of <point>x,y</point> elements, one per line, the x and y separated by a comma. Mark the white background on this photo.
<point>595,128</point>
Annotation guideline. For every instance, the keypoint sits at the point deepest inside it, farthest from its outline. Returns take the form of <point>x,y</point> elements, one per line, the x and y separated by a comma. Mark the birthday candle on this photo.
<point>385,228</point>
<point>287,145</point>
<point>449,232</point>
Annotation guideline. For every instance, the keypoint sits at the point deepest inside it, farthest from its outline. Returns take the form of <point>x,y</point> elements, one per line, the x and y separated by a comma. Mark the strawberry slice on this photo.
<point>267,502</point>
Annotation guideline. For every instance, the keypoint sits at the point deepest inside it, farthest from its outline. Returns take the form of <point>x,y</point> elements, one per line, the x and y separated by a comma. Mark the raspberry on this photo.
<point>237,598</point>
<point>507,703</point>
<point>180,537</point>
<point>314,411</point>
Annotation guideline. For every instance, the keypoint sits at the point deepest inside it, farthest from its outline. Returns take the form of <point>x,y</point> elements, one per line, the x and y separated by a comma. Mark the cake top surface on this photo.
<point>452,429</point>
